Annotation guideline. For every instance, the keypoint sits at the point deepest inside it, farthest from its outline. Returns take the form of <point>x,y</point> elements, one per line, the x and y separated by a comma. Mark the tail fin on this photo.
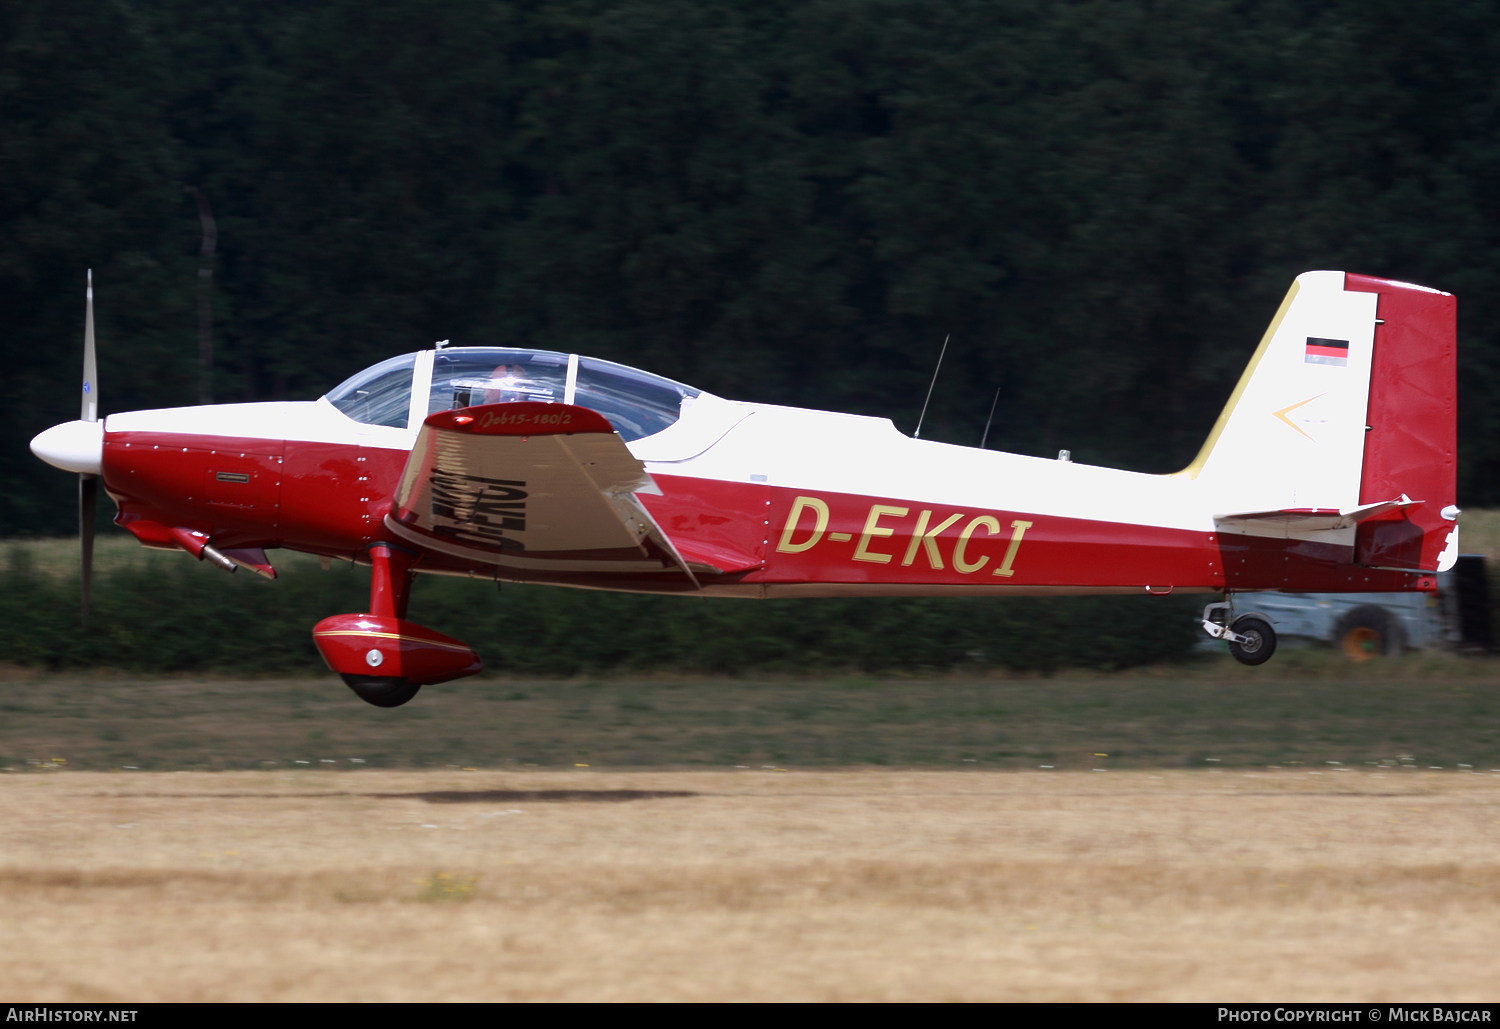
<point>1412,445</point>
<point>1349,401</point>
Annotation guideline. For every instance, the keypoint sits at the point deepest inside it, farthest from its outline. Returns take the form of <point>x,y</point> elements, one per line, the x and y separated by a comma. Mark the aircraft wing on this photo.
<point>1302,520</point>
<point>530,486</point>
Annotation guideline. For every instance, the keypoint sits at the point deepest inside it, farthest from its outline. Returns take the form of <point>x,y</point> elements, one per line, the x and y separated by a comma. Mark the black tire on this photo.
<point>1368,632</point>
<point>380,690</point>
<point>1262,641</point>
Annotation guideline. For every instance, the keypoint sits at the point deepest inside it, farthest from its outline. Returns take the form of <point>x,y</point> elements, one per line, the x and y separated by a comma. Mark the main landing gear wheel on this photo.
<point>1260,641</point>
<point>382,691</point>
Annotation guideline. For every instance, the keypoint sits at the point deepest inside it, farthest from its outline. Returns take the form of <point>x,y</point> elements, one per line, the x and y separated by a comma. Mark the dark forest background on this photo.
<point>1102,201</point>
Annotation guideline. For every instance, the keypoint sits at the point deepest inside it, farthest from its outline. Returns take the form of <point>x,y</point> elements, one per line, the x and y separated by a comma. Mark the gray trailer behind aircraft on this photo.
<point>1366,625</point>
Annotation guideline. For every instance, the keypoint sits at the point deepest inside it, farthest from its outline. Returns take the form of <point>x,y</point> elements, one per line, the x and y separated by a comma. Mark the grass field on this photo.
<point>413,855</point>
<point>1307,830</point>
<point>1358,885</point>
<point>1310,707</point>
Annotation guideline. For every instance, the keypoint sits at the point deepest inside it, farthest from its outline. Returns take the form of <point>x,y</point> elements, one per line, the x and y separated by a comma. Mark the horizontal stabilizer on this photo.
<point>1291,523</point>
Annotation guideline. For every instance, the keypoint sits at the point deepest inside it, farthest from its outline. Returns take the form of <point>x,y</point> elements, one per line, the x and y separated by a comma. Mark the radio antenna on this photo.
<point>985,438</point>
<point>922,417</point>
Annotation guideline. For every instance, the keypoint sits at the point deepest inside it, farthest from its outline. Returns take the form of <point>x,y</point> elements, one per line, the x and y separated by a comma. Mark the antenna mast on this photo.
<point>923,416</point>
<point>985,438</point>
<point>205,297</point>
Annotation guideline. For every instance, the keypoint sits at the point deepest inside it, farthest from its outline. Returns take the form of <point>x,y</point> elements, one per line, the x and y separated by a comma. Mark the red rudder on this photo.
<point>1412,440</point>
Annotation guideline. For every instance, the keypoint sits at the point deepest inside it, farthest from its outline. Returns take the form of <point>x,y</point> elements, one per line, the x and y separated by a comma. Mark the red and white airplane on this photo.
<point>1331,468</point>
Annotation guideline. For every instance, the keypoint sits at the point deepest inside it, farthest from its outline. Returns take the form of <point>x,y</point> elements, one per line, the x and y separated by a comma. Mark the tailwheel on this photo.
<point>1259,641</point>
<point>382,691</point>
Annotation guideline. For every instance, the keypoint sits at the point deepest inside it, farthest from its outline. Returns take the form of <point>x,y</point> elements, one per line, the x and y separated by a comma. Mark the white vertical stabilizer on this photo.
<point>1293,433</point>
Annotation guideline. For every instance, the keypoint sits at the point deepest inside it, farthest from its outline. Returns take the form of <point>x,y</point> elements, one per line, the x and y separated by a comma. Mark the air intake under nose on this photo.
<point>72,446</point>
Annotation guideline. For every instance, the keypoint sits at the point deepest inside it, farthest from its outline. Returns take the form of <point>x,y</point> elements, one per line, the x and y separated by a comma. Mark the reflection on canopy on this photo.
<point>380,395</point>
<point>491,375</point>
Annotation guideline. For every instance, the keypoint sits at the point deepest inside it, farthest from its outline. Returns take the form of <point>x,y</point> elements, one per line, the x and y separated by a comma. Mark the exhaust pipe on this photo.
<point>210,554</point>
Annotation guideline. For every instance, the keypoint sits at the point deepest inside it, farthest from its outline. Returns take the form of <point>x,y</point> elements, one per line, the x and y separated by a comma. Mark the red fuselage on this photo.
<point>331,499</point>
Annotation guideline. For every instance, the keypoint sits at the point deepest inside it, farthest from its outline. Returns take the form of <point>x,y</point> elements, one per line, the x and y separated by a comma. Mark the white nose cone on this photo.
<point>72,446</point>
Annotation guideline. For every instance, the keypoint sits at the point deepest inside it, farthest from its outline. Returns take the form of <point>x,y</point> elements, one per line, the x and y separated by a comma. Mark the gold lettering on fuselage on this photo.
<point>1018,529</point>
<point>820,515</point>
<point>924,536</point>
<point>927,539</point>
<point>872,529</point>
<point>960,558</point>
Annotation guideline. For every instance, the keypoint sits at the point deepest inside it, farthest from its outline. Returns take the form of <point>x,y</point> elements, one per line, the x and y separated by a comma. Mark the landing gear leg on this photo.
<point>382,657</point>
<point>390,588</point>
<point>391,577</point>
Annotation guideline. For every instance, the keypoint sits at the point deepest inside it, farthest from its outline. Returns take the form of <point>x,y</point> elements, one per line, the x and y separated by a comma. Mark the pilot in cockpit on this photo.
<point>504,386</point>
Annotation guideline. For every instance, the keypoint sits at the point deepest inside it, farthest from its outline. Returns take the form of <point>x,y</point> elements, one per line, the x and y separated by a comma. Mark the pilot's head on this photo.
<point>505,383</point>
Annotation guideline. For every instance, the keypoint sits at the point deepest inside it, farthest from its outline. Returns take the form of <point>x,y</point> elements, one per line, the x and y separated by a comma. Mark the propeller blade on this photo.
<point>88,500</point>
<point>88,485</point>
<point>90,411</point>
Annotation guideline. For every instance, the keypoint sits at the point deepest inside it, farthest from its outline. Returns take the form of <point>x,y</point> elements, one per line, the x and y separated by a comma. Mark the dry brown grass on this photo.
<point>756,885</point>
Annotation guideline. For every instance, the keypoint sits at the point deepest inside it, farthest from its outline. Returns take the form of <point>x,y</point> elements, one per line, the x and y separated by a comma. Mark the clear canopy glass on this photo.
<point>637,403</point>
<point>379,395</point>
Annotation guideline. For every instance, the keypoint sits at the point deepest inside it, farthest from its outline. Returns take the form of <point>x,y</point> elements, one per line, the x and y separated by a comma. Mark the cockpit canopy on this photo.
<point>637,403</point>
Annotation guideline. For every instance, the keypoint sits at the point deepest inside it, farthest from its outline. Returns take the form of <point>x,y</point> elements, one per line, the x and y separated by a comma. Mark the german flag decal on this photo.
<point>1327,351</point>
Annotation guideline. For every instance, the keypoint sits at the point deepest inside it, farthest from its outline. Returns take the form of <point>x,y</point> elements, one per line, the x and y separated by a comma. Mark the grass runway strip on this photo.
<point>1370,886</point>
<point>1312,707</point>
